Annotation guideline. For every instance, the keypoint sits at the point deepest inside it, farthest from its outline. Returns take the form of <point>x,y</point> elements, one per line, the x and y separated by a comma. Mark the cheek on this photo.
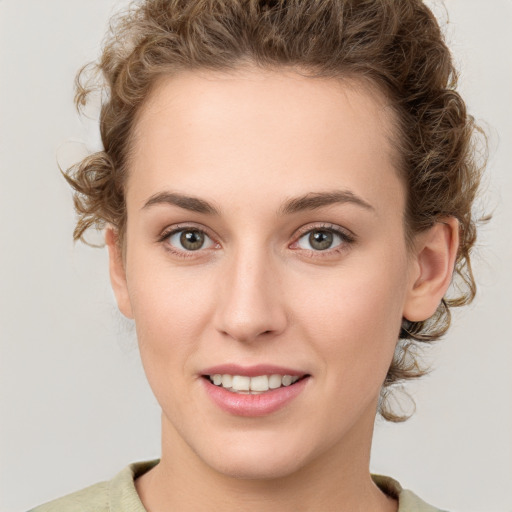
<point>354,318</point>
<point>165,297</point>
<point>171,310</point>
<point>367,299</point>
<point>169,317</point>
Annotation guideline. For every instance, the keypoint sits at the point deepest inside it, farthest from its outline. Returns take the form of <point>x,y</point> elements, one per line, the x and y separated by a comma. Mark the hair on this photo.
<point>396,45</point>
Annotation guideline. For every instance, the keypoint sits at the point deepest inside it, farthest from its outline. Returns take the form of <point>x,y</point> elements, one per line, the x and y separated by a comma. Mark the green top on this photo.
<point>119,495</point>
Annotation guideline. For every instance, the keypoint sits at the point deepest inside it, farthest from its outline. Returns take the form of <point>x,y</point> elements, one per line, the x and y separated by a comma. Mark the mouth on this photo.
<point>255,390</point>
<point>255,385</point>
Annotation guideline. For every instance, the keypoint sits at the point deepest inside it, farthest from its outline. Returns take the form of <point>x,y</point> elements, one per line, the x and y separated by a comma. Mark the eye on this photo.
<point>189,240</point>
<point>320,240</point>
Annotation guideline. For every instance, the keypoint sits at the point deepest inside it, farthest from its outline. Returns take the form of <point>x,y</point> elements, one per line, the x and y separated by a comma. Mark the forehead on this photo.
<point>262,127</point>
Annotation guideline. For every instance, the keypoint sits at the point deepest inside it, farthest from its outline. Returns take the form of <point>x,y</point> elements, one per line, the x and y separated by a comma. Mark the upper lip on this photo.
<point>251,371</point>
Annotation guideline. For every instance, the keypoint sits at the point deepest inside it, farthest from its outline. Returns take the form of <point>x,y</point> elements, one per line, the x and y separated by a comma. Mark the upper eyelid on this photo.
<point>307,228</point>
<point>176,228</point>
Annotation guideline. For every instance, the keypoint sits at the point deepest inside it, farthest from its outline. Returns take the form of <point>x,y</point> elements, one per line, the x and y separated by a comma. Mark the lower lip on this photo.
<point>241,404</point>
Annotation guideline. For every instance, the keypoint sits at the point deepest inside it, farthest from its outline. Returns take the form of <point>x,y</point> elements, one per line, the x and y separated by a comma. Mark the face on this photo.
<point>265,265</point>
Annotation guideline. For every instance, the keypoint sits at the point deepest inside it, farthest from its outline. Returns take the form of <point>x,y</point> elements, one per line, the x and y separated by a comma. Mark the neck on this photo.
<point>337,480</point>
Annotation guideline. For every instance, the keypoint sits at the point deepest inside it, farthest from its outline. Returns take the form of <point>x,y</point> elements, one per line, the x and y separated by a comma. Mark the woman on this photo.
<point>286,191</point>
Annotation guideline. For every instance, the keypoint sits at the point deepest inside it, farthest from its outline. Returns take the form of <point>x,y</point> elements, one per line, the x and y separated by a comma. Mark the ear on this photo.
<point>117,272</point>
<point>434,257</point>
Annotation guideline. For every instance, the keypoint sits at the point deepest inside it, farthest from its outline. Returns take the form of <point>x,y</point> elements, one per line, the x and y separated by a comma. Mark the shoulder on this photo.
<point>95,497</point>
<point>116,495</point>
<point>407,500</point>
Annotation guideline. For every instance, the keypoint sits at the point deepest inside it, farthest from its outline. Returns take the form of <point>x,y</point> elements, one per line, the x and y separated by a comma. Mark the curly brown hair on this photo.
<point>397,45</point>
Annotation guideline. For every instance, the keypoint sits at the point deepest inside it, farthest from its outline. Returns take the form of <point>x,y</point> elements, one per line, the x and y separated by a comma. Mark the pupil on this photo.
<point>320,240</point>
<point>192,240</point>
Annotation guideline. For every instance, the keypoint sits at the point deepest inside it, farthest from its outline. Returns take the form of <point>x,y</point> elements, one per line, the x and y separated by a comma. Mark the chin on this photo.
<point>260,459</point>
<point>257,469</point>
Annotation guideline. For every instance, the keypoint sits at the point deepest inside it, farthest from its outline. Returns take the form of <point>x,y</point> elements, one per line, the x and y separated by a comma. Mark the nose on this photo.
<point>249,305</point>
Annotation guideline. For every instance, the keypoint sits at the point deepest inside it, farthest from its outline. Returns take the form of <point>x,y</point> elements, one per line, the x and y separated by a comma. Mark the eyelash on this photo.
<point>347,238</point>
<point>182,253</point>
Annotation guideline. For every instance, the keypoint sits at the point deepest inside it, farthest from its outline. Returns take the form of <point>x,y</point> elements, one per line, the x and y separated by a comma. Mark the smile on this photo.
<point>252,385</point>
<point>252,391</point>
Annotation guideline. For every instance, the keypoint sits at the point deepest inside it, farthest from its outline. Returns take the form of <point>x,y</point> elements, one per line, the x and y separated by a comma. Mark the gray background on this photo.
<point>74,404</point>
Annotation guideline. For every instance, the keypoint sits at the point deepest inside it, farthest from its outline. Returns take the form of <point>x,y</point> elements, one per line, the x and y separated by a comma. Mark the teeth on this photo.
<point>287,380</point>
<point>227,381</point>
<point>253,385</point>
<point>259,383</point>
<point>274,381</point>
<point>241,383</point>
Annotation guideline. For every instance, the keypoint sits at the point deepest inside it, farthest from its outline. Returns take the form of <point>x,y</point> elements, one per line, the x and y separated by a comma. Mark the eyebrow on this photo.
<point>192,204</point>
<point>310,201</point>
<point>315,200</point>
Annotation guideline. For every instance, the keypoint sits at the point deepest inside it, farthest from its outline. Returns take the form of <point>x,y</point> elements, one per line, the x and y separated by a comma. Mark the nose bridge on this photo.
<point>250,301</point>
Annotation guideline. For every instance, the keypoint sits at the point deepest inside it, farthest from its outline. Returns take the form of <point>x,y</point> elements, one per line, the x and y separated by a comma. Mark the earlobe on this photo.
<point>117,272</point>
<point>434,261</point>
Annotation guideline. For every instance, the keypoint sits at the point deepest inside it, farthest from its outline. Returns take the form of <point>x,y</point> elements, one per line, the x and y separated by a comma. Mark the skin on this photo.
<point>248,143</point>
